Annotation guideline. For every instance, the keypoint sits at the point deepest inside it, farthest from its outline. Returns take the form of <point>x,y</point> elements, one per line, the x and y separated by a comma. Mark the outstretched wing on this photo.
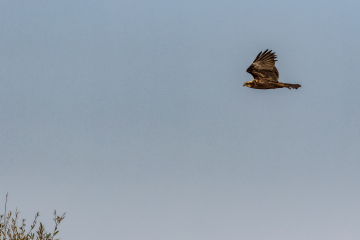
<point>264,66</point>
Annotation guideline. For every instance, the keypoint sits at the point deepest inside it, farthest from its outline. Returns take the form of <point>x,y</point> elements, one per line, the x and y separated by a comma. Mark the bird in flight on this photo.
<point>266,75</point>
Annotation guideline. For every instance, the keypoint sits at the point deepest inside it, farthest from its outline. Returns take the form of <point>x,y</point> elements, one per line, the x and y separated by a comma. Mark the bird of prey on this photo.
<point>266,75</point>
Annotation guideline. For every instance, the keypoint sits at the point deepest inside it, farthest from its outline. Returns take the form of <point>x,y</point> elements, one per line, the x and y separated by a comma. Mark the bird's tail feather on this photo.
<point>290,86</point>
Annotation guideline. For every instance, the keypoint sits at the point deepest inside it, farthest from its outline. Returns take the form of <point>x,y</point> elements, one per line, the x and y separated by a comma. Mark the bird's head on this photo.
<point>248,84</point>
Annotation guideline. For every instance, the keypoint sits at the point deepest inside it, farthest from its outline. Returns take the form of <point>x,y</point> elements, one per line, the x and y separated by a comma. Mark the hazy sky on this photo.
<point>131,116</point>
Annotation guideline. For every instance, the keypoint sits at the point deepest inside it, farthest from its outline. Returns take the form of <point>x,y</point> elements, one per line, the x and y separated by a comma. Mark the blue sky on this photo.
<point>131,116</point>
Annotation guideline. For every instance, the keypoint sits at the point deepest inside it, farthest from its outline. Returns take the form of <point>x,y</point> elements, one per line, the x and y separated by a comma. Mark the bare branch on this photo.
<point>5,219</point>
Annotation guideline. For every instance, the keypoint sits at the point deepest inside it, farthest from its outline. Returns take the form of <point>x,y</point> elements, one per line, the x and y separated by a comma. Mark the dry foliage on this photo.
<point>9,229</point>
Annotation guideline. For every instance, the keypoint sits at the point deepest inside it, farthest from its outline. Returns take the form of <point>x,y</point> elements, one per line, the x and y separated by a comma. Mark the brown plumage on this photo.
<point>266,75</point>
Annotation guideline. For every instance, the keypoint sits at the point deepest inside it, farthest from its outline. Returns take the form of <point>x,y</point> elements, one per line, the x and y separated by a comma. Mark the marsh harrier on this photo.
<point>266,75</point>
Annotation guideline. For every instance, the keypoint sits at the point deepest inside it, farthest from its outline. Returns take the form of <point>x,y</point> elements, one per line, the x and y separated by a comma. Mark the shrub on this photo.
<point>9,229</point>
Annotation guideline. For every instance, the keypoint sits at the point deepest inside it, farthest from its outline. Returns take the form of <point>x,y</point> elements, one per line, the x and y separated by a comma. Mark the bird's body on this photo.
<point>266,75</point>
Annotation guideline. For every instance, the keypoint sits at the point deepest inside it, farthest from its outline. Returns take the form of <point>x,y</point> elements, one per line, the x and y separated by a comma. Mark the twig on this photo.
<point>57,220</point>
<point>5,218</point>
<point>34,223</point>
